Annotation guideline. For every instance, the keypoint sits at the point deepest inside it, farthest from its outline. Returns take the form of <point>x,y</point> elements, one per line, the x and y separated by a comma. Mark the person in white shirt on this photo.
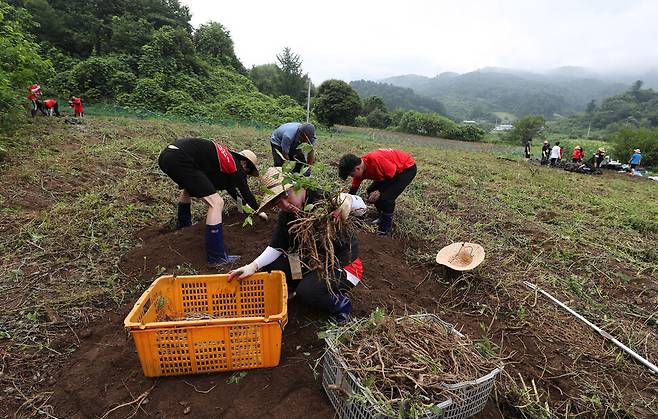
<point>555,153</point>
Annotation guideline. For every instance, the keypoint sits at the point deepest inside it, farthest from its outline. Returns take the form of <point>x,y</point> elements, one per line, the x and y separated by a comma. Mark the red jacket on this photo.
<point>383,164</point>
<point>49,103</point>
<point>33,91</point>
<point>76,104</point>
<point>578,153</point>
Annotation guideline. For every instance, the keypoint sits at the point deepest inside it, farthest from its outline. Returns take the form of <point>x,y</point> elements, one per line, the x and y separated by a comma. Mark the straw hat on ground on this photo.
<point>461,256</point>
<point>251,158</point>
<point>273,181</point>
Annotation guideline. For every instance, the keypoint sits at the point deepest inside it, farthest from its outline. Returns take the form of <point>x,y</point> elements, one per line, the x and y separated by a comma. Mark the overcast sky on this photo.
<point>375,39</point>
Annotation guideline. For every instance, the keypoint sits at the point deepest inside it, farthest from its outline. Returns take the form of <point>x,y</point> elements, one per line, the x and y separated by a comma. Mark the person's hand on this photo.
<point>373,196</point>
<point>343,211</point>
<point>243,272</point>
<point>263,216</point>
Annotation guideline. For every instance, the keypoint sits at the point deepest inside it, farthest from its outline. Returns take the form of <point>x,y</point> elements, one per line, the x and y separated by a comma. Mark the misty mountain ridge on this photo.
<point>560,91</point>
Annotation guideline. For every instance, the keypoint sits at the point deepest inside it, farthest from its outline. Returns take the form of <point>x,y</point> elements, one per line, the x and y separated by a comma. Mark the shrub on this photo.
<point>337,103</point>
<point>149,94</point>
<point>123,81</point>
<point>378,119</point>
<point>93,77</point>
<point>628,139</point>
<point>360,121</point>
<point>433,125</point>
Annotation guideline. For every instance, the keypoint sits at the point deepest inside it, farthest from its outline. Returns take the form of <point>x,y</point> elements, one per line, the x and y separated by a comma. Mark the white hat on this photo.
<point>273,182</point>
<point>461,256</point>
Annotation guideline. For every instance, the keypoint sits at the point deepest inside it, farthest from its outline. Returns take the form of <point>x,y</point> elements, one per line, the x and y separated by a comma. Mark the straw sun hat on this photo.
<point>250,156</point>
<point>273,181</point>
<point>461,256</point>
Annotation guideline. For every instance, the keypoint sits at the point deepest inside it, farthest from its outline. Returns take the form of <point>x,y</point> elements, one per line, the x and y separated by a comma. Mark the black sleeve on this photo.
<point>281,238</point>
<point>354,190</point>
<point>239,179</point>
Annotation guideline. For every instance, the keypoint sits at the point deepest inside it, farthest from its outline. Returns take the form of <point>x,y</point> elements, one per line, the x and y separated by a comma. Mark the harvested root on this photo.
<point>406,365</point>
<point>316,231</point>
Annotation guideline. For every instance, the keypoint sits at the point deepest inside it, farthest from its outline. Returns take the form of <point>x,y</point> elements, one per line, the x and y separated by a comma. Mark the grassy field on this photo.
<point>73,197</point>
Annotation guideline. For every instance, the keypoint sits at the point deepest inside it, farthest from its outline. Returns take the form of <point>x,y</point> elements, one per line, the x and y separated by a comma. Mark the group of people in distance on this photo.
<point>50,107</point>
<point>201,167</point>
<point>552,155</point>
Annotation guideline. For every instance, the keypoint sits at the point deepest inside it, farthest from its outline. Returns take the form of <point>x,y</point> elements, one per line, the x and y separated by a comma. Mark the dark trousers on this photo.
<point>553,160</point>
<point>390,189</point>
<point>297,155</point>
<point>312,289</point>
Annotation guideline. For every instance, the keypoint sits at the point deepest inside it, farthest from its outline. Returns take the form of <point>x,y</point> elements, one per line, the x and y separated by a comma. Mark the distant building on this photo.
<point>469,122</point>
<point>503,127</point>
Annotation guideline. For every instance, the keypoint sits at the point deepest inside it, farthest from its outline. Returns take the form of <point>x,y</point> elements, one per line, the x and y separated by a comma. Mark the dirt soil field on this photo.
<point>105,371</point>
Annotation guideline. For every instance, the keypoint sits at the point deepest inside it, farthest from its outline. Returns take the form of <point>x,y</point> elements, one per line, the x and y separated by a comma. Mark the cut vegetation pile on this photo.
<point>408,364</point>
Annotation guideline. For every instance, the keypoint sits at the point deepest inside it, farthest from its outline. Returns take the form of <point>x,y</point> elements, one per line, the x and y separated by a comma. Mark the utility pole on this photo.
<point>308,102</point>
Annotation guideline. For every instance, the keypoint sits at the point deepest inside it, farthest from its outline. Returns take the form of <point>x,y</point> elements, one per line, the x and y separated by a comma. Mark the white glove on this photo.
<point>244,271</point>
<point>263,216</point>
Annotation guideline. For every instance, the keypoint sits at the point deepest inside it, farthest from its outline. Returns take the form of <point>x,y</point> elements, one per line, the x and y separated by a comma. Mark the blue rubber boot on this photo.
<point>215,246</point>
<point>184,215</point>
<point>385,224</point>
<point>341,308</point>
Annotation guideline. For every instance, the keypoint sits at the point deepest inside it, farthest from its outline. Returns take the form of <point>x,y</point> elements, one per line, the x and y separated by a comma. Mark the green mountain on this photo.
<point>145,54</point>
<point>563,91</point>
<point>398,97</point>
<point>633,108</point>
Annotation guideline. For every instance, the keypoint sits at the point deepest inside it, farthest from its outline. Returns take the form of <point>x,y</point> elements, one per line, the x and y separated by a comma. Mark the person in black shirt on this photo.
<point>311,289</point>
<point>545,152</point>
<point>200,168</point>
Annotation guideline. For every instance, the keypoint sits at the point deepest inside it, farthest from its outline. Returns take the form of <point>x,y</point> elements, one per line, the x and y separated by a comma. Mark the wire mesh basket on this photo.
<point>352,400</point>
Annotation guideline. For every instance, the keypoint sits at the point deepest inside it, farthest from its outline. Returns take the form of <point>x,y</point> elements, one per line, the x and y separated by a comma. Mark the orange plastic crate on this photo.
<point>202,323</point>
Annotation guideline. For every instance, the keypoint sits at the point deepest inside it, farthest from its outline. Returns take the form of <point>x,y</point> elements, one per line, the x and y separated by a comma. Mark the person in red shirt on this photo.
<point>33,93</point>
<point>76,104</point>
<point>390,170</point>
<point>578,154</point>
<point>48,107</point>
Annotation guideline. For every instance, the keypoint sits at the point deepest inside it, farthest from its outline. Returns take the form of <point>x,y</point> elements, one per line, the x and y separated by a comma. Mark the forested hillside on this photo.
<point>478,93</point>
<point>634,108</point>
<point>396,97</point>
<point>144,53</point>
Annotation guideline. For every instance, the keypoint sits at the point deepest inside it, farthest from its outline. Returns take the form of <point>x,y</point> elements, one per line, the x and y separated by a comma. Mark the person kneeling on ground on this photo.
<point>48,107</point>
<point>201,167</point>
<point>286,141</point>
<point>577,155</point>
<point>391,170</point>
<point>309,283</point>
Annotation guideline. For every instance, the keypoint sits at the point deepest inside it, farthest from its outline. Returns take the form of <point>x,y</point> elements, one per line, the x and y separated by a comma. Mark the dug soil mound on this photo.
<point>105,372</point>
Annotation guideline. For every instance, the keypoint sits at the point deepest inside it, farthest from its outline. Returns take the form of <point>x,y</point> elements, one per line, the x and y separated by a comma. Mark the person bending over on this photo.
<point>200,168</point>
<point>286,141</point>
<point>390,170</point>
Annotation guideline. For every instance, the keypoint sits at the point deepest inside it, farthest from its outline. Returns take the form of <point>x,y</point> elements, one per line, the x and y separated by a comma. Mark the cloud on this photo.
<point>374,39</point>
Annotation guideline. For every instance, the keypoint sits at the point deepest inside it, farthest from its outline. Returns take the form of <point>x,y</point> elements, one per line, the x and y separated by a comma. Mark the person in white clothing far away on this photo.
<point>555,153</point>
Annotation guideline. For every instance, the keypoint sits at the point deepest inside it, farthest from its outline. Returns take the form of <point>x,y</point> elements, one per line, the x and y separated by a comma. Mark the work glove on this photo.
<point>263,216</point>
<point>343,211</point>
<point>373,196</point>
<point>243,271</point>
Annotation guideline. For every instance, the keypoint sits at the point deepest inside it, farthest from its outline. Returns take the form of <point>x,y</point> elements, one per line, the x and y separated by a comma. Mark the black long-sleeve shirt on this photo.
<point>204,154</point>
<point>346,247</point>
